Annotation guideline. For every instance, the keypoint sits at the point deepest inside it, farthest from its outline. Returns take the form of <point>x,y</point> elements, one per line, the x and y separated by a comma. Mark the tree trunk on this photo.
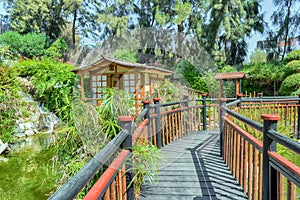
<point>287,23</point>
<point>74,28</point>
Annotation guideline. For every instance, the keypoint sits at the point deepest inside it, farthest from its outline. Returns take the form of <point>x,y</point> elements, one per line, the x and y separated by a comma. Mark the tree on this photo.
<point>287,20</point>
<point>45,16</point>
<point>229,24</point>
<point>258,56</point>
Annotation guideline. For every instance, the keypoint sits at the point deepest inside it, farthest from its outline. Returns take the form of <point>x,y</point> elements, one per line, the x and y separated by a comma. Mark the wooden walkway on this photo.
<point>193,170</point>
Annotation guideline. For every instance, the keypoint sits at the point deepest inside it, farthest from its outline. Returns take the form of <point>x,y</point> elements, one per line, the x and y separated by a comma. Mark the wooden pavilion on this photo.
<point>109,72</point>
<point>237,76</point>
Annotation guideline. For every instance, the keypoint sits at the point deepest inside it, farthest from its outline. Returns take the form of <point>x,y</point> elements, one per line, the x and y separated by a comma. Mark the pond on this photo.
<point>29,172</point>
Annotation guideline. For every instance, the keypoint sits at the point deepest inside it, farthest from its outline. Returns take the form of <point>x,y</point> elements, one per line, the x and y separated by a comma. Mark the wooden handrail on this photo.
<point>240,148</point>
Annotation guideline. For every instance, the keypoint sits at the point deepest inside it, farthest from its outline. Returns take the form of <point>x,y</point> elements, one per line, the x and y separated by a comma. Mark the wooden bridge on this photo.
<point>213,149</point>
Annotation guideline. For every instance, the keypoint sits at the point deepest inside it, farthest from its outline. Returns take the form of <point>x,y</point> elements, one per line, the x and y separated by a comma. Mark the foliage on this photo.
<point>53,82</point>
<point>285,21</point>
<point>146,158</point>
<point>258,56</point>
<point>33,45</point>
<point>124,54</point>
<point>9,101</point>
<point>264,77</point>
<point>230,23</point>
<point>293,55</point>
<point>29,45</point>
<point>37,16</point>
<point>191,76</point>
<point>290,85</point>
<point>227,68</point>
<point>168,91</point>
<point>13,40</point>
<point>291,68</point>
<point>56,49</point>
<point>115,103</point>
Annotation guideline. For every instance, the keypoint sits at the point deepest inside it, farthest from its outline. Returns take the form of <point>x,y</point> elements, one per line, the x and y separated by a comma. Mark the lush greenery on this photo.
<point>53,84</point>
<point>221,27</point>
<point>32,45</point>
<point>9,101</point>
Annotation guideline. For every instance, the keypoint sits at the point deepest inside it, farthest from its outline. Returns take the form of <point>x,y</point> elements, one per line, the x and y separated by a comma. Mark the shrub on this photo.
<point>9,102</point>
<point>291,68</point>
<point>13,40</point>
<point>293,55</point>
<point>57,48</point>
<point>290,85</point>
<point>33,45</point>
<point>54,83</point>
<point>29,45</point>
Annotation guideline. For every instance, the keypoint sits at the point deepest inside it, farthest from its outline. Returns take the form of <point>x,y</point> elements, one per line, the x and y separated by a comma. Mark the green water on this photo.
<point>29,173</point>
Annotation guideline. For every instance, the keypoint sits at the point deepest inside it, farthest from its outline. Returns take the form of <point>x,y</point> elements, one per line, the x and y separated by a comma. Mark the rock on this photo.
<point>2,159</point>
<point>19,135</point>
<point>3,146</point>
<point>28,125</point>
<point>29,132</point>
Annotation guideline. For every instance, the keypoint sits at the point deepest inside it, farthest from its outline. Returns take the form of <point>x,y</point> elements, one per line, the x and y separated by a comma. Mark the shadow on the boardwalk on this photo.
<point>197,172</point>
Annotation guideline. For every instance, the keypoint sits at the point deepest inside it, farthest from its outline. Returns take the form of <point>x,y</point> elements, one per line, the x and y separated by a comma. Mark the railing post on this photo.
<point>126,124</point>
<point>222,121</point>
<point>269,184</point>
<point>158,123</point>
<point>298,126</point>
<point>146,104</point>
<point>186,98</point>
<point>239,97</point>
<point>204,110</point>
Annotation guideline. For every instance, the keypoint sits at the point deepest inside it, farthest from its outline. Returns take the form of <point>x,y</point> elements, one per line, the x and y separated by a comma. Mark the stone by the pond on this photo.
<point>2,159</point>
<point>29,132</point>
<point>3,146</point>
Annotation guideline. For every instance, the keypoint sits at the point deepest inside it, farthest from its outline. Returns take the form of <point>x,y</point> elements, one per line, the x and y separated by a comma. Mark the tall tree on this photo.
<point>41,16</point>
<point>286,18</point>
<point>229,24</point>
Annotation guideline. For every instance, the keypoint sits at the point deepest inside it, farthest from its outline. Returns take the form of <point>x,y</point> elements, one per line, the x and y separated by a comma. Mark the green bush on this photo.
<point>290,85</point>
<point>9,101</point>
<point>57,48</point>
<point>13,40</point>
<point>29,45</point>
<point>293,55</point>
<point>54,83</point>
<point>291,68</point>
<point>33,45</point>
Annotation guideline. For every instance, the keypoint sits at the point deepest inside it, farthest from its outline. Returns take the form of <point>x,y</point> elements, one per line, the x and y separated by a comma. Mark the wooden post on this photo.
<point>158,123</point>
<point>204,110</point>
<point>237,86</point>
<point>239,96</point>
<point>82,86</point>
<point>126,124</point>
<point>146,104</point>
<point>222,121</point>
<point>298,125</point>
<point>269,187</point>
<point>186,98</point>
<point>220,88</point>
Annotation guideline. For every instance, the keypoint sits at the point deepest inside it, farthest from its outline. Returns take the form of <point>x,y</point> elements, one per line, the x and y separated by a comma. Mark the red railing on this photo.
<point>263,173</point>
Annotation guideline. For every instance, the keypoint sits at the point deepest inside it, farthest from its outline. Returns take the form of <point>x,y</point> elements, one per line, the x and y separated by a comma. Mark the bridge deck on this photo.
<point>194,170</point>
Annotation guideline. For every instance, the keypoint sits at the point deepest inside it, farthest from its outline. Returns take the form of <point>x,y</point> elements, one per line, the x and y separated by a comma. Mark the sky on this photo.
<point>267,9</point>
